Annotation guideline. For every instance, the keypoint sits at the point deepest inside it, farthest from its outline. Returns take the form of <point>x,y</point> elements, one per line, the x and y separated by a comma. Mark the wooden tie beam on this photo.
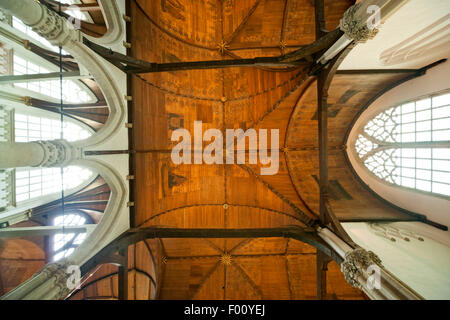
<point>301,57</point>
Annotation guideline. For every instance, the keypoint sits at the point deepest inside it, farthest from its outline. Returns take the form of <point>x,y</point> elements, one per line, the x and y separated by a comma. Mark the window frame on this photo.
<point>361,129</point>
<point>80,213</point>
<point>16,47</point>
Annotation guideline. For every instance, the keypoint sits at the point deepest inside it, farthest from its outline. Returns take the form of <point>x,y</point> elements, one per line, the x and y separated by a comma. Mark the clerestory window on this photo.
<point>65,243</point>
<point>23,184</point>
<point>409,145</point>
<point>72,91</point>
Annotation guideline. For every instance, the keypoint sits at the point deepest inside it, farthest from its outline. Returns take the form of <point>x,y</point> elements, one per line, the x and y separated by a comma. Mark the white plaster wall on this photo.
<point>423,266</point>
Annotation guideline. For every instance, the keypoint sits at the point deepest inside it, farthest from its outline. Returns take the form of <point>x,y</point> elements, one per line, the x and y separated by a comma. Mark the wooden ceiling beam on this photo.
<point>322,261</point>
<point>123,274</point>
<point>205,279</point>
<point>132,236</point>
<point>249,280</point>
<point>301,57</point>
<point>319,11</point>
<point>324,78</point>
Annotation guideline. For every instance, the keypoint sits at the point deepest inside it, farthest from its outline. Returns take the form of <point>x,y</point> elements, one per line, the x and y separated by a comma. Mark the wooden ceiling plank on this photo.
<point>247,277</point>
<point>208,275</point>
<point>243,22</point>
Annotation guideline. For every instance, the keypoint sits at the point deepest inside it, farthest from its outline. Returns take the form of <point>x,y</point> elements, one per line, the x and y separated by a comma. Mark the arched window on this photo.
<point>31,183</point>
<point>34,183</point>
<point>409,145</point>
<point>65,243</point>
<point>32,128</point>
<point>72,90</point>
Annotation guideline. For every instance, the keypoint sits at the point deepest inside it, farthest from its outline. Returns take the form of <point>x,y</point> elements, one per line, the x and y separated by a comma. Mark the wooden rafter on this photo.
<point>217,205</point>
<point>288,276</point>
<point>319,9</point>
<point>123,274</point>
<point>303,217</point>
<point>325,76</point>
<point>170,34</point>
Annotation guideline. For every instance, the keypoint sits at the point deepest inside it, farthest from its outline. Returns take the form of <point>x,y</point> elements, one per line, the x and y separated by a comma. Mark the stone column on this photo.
<point>45,22</point>
<point>18,154</point>
<point>50,283</point>
<point>359,268</point>
<point>54,153</point>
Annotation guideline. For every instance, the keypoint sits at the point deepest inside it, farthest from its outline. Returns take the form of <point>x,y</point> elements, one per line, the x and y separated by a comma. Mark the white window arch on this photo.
<point>65,243</point>
<point>409,145</point>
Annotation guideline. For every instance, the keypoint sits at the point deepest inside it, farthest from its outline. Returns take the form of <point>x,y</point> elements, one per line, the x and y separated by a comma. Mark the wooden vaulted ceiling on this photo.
<point>235,196</point>
<point>223,196</point>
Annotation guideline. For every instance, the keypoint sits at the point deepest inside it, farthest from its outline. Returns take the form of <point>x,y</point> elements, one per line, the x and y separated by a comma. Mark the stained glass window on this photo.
<point>409,145</point>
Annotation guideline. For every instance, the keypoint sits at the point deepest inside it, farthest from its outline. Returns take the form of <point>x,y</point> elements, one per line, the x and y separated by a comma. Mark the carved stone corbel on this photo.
<point>57,273</point>
<point>356,264</point>
<point>354,26</point>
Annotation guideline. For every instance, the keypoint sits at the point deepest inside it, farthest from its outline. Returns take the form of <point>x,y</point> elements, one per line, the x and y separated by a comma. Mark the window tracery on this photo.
<point>409,145</point>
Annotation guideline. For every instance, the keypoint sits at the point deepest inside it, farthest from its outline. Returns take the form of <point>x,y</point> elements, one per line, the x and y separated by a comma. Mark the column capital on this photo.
<point>56,29</point>
<point>356,263</point>
<point>57,273</point>
<point>58,153</point>
<point>47,23</point>
<point>354,24</point>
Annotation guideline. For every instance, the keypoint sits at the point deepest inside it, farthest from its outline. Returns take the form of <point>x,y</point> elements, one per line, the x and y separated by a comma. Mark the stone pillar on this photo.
<point>50,283</point>
<point>54,153</point>
<point>18,154</point>
<point>45,22</point>
<point>359,268</point>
